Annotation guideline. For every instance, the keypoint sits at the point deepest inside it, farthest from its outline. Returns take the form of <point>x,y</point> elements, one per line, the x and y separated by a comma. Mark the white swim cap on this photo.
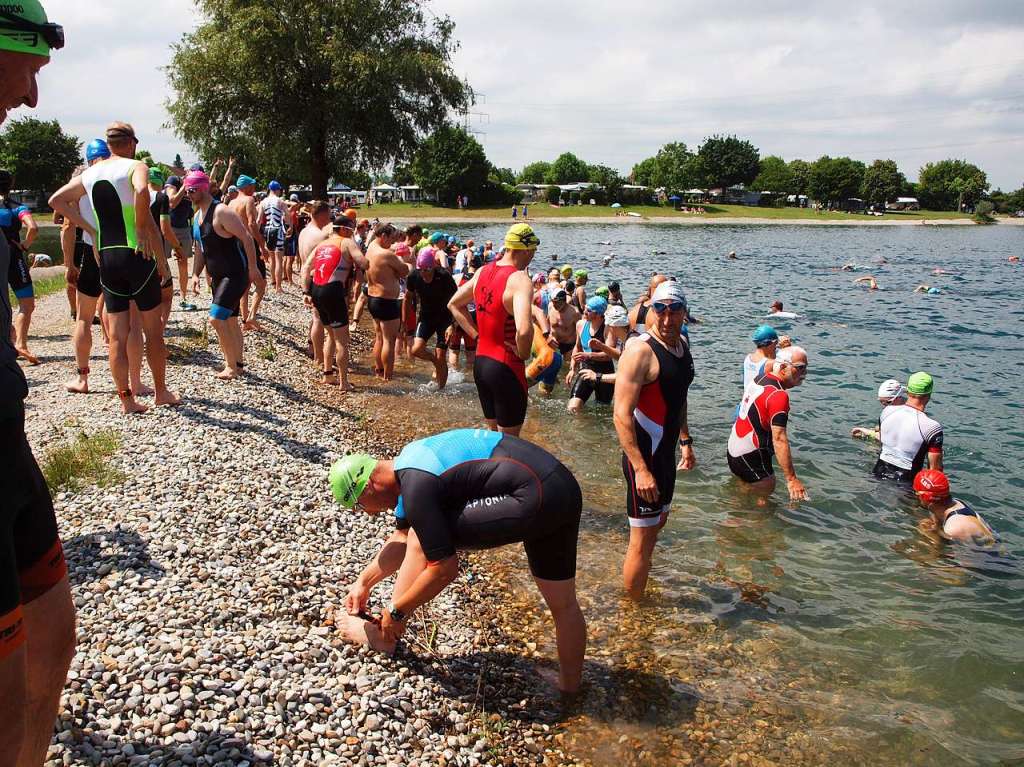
<point>42,259</point>
<point>616,317</point>
<point>890,390</point>
<point>669,291</point>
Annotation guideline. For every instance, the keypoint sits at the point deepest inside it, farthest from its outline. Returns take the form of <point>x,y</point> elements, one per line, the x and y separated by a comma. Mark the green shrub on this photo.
<point>74,465</point>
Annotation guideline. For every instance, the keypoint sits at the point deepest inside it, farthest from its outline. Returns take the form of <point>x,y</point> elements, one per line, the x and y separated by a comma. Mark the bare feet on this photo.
<point>131,407</point>
<point>329,378</point>
<point>355,630</point>
<point>252,325</point>
<point>166,398</point>
<point>142,390</point>
<point>79,385</point>
<point>227,374</point>
<point>28,356</point>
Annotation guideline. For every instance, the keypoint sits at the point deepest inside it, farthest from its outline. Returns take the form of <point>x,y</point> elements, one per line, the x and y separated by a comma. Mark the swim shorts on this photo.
<point>128,276</point>
<point>88,271</point>
<point>582,389</point>
<point>384,309</point>
<point>18,276</point>
<point>642,513</point>
<point>31,556</point>
<point>502,396</point>
<point>184,235</point>
<point>428,327</point>
<point>275,237</point>
<point>331,302</point>
<point>752,467</point>
<point>227,295</point>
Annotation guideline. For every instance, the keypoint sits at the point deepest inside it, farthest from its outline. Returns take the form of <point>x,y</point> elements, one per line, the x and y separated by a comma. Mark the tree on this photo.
<point>835,179</point>
<point>726,161</point>
<point>178,163</point>
<point>674,167</point>
<point>402,176</point>
<point>606,177</point>
<point>534,173</point>
<point>39,154</point>
<point>146,156</point>
<point>451,162</point>
<point>566,169</point>
<point>774,176</point>
<point>950,185</point>
<point>801,170</point>
<point>503,176</point>
<point>643,172</point>
<point>882,183</point>
<point>353,83</point>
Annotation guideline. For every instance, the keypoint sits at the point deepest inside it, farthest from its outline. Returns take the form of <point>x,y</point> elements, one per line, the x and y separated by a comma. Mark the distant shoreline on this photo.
<point>698,221</point>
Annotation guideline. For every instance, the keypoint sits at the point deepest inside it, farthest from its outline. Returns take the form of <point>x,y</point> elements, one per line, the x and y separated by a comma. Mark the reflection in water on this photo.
<point>827,632</point>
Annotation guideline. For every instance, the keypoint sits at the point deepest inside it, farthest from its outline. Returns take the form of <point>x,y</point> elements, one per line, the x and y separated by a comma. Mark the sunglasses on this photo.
<point>192,191</point>
<point>661,308</point>
<point>52,34</point>
<point>802,368</point>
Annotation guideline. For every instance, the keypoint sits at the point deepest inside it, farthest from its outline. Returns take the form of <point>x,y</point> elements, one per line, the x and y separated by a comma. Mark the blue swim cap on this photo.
<point>479,250</point>
<point>245,180</point>
<point>764,335</point>
<point>436,237</point>
<point>275,186</point>
<point>597,304</point>
<point>933,291</point>
<point>97,149</point>
<point>197,166</point>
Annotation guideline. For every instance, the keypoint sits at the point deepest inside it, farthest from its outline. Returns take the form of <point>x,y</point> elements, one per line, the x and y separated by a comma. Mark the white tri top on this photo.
<point>907,435</point>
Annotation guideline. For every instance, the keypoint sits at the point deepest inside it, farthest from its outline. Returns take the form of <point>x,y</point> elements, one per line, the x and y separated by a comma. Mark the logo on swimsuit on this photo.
<point>489,501</point>
<point>488,299</point>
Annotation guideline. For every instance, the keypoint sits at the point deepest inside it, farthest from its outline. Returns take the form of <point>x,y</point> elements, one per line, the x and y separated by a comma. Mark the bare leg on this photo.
<point>250,319</point>
<point>166,298</point>
<point>156,356</point>
<point>316,339</point>
<point>22,320</point>
<point>72,293</point>
<point>50,627</point>
<point>570,630</point>
<point>182,278</point>
<point>357,313</point>
<point>120,328</point>
<point>441,364</point>
<point>639,552</point>
<point>135,348</point>
<point>513,430</point>
<point>341,344</point>
<point>13,711</point>
<point>378,348</point>
<point>227,347</point>
<point>82,341</point>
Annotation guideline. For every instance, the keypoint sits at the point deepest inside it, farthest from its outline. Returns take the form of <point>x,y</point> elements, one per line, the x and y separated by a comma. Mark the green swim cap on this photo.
<point>566,270</point>
<point>920,383</point>
<point>580,274</point>
<point>156,176</point>
<point>349,476</point>
<point>25,29</point>
<point>603,291</point>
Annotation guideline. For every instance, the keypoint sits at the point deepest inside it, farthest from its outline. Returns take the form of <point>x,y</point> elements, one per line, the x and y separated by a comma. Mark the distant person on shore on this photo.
<point>869,279</point>
<point>911,440</point>
<point>458,490</point>
<point>515,212</point>
<point>759,431</point>
<point>766,341</point>
<point>503,296</point>
<point>651,386</point>
<point>891,392</point>
<point>37,614</point>
<point>315,232</point>
<point>12,217</point>
<point>776,311</point>
<point>951,518</point>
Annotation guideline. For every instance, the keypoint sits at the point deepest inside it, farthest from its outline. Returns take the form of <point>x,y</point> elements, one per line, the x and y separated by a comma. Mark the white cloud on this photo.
<point>613,81</point>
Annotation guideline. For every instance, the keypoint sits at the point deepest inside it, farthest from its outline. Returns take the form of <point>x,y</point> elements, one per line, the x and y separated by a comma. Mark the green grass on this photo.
<point>267,351</point>
<point>43,287</point>
<point>192,340</point>
<point>83,461</point>
<point>542,210</point>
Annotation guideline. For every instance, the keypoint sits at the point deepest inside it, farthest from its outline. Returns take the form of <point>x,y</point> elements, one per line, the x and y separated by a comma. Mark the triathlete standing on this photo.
<point>651,386</point>
<point>160,207</point>
<point>272,222</point>
<point>229,255</point>
<point>458,490</point>
<point>315,232</point>
<point>244,206</point>
<point>432,287</point>
<point>910,439</point>
<point>130,254</point>
<point>383,273</point>
<point>181,224</point>
<point>12,217</point>
<point>503,296</point>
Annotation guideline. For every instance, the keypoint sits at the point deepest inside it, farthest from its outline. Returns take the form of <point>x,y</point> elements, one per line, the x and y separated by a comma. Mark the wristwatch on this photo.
<point>686,442</point>
<point>396,615</point>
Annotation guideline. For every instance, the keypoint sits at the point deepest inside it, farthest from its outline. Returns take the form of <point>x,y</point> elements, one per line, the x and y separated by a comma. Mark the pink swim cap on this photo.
<point>426,259</point>
<point>196,179</point>
<point>402,249</point>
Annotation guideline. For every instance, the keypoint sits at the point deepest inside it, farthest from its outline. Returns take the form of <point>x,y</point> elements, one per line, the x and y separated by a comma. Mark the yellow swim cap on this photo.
<point>521,237</point>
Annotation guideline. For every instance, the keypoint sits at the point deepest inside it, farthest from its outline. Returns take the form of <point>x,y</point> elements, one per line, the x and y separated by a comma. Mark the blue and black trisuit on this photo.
<point>479,489</point>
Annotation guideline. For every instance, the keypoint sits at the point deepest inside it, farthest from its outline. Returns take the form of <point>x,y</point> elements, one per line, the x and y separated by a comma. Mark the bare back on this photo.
<point>385,269</point>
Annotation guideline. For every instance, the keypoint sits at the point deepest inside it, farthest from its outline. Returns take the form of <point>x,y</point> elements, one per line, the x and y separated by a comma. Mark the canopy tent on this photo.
<point>339,187</point>
<point>384,188</point>
<point>674,198</point>
<point>616,205</point>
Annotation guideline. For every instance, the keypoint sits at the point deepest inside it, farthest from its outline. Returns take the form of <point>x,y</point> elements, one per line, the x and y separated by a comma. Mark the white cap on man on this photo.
<point>668,292</point>
<point>890,390</point>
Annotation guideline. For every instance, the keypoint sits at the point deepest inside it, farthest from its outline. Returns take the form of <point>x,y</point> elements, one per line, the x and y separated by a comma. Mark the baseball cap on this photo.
<point>616,317</point>
<point>920,383</point>
<point>668,292</point>
<point>890,390</point>
<point>24,28</point>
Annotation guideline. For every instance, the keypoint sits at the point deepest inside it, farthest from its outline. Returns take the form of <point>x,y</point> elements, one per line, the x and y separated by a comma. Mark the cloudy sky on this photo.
<point>613,81</point>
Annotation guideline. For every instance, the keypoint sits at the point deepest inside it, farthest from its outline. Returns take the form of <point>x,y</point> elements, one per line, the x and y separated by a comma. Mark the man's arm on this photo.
<point>168,233</point>
<point>687,457</point>
<point>146,233</point>
<point>252,217</point>
<point>65,201</point>
<point>457,306</point>
<point>386,563</point>
<point>522,303</point>
<point>33,231</point>
<point>780,440</point>
<point>358,258</point>
<point>176,198</point>
<point>935,452</point>
<point>67,247</point>
<point>634,370</point>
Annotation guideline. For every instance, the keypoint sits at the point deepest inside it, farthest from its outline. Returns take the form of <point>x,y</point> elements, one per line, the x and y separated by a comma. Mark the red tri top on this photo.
<point>496,326</point>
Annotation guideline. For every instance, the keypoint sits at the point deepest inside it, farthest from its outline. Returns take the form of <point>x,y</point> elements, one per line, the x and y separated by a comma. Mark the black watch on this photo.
<point>396,615</point>
<point>686,442</point>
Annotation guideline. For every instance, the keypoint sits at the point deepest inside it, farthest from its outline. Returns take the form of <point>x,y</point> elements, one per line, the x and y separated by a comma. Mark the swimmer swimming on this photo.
<point>950,517</point>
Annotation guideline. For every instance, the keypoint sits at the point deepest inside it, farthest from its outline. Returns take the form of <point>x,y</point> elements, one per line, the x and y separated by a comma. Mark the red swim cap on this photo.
<point>931,485</point>
<point>325,260</point>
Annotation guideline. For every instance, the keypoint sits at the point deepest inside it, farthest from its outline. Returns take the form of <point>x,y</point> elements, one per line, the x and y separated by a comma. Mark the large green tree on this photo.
<point>727,160</point>
<point>313,88</point>
<point>567,169</point>
<point>451,162</point>
<point>39,154</point>
<point>882,183</point>
<point>950,185</point>
<point>534,173</point>
<point>774,175</point>
<point>644,171</point>
<point>835,179</point>
<point>675,167</point>
<point>801,170</point>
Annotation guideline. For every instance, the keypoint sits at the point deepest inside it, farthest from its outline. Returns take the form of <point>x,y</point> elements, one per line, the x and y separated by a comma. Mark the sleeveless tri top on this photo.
<point>497,328</point>
<point>224,255</point>
<point>108,185</point>
<point>659,409</point>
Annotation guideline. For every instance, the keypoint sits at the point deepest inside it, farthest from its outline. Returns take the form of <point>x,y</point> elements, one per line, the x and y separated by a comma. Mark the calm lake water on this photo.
<point>912,650</point>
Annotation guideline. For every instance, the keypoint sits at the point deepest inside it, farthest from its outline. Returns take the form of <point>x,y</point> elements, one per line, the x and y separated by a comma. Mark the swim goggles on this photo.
<point>661,308</point>
<point>52,33</point>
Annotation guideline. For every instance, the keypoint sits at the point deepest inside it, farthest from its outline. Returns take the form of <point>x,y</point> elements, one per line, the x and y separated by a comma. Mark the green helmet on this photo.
<point>349,476</point>
<point>24,29</point>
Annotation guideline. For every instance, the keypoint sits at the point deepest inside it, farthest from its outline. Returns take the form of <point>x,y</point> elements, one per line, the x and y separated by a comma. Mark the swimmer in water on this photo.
<point>927,289</point>
<point>776,310</point>
<point>870,280</point>
<point>1014,259</point>
<point>950,517</point>
<point>848,267</point>
<point>732,255</point>
<point>891,392</point>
